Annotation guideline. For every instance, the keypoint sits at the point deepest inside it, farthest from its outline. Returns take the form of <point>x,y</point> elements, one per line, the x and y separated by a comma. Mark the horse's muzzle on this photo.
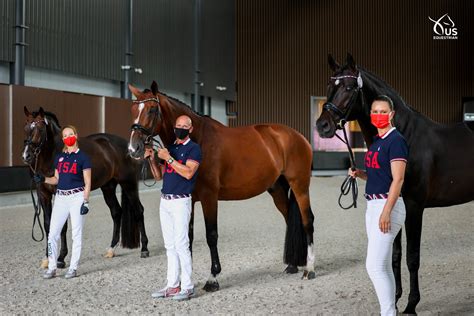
<point>325,128</point>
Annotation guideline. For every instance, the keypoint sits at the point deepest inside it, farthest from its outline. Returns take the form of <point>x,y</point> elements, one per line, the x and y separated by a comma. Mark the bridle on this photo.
<point>343,115</point>
<point>156,110</point>
<point>350,183</point>
<point>37,146</point>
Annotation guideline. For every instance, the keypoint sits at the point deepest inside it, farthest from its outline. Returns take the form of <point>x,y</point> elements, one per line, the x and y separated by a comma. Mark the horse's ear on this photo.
<point>41,111</point>
<point>27,112</point>
<point>154,87</point>
<point>136,92</point>
<point>333,64</point>
<point>350,61</point>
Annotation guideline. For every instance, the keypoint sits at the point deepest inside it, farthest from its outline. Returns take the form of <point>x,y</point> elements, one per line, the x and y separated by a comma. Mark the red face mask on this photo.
<point>380,120</point>
<point>70,141</point>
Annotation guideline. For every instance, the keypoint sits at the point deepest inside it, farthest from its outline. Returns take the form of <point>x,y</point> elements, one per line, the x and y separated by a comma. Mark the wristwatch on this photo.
<point>170,161</point>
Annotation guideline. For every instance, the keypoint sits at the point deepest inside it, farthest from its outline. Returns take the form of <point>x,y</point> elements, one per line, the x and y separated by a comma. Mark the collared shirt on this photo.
<point>70,167</point>
<point>173,183</point>
<point>386,148</point>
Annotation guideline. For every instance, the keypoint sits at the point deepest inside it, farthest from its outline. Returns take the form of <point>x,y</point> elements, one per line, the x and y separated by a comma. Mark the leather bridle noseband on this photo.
<point>343,115</point>
<point>156,110</point>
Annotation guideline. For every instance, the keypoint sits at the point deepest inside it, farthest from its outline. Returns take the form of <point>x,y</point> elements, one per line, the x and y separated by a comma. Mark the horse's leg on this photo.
<point>47,210</point>
<point>108,190</point>
<point>45,202</point>
<point>137,211</point>
<point>279,193</point>
<point>396,265</point>
<point>61,264</point>
<point>191,227</point>
<point>413,226</point>
<point>300,189</point>
<point>209,207</point>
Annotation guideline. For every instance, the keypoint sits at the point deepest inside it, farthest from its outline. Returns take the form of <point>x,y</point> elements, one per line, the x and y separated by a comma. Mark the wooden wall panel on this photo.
<point>4,125</point>
<point>82,111</point>
<point>117,117</point>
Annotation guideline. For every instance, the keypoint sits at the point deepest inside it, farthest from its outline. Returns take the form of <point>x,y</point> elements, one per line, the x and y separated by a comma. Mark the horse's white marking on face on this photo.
<point>140,109</point>
<point>24,152</point>
<point>130,147</point>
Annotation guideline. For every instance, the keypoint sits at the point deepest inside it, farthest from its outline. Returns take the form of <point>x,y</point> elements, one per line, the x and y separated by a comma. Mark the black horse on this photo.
<point>439,170</point>
<point>111,165</point>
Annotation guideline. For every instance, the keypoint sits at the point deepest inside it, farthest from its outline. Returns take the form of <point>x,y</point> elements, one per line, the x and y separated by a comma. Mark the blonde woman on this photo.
<point>73,179</point>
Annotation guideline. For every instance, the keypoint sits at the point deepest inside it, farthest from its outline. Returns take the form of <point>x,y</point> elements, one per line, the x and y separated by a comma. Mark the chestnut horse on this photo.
<point>439,169</point>
<point>111,165</point>
<point>238,163</point>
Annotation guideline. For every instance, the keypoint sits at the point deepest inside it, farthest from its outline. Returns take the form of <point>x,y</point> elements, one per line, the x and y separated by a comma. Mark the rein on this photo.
<point>349,184</point>
<point>36,206</point>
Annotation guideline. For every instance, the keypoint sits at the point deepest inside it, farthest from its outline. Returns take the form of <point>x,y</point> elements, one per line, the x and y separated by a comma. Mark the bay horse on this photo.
<point>439,170</point>
<point>238,163</point>
<point>111,166</point>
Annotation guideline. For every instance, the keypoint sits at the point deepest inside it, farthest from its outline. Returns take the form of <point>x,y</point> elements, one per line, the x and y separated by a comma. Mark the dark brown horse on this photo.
<point>238,163</point>
<point>111,165</point>
<point>440,164</point>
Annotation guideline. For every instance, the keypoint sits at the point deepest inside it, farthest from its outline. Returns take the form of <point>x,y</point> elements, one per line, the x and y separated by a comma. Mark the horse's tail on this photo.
<point>132,211</point>
<point>296,242</point>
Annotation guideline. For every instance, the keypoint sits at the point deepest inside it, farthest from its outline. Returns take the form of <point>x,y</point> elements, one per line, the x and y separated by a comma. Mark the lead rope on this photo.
<point>36,206</point>
<point>350,183</point>
<point>144,171</point>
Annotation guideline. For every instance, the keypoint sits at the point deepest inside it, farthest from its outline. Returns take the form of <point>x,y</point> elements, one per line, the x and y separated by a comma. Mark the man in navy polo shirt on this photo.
<point>179,175</point>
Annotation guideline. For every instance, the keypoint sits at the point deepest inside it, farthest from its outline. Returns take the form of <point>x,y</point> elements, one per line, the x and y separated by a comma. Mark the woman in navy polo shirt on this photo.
<point>385,163</point>
<point>73,179</point>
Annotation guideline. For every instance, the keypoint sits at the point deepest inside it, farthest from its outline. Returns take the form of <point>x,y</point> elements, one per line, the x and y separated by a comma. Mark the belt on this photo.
<point>174,196</point>
<point>375,196</point>
<point>69,192</point>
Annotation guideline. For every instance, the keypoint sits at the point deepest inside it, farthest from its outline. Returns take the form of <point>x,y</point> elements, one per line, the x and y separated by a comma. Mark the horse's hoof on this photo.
<point>109,254</point>
<point>308,275</point>
<point>61,264</point>
<point>291,269</point>
<point>145,254</point>
<point>411,307</point>
<point>44,264</point>
<point>211,286</point>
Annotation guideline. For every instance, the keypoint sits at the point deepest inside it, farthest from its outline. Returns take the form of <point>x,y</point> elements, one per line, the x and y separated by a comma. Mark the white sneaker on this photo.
<point>49,274</point>
<point>70,274</point>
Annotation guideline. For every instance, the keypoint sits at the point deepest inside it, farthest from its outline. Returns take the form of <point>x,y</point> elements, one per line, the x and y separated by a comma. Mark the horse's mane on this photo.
<point>50,115</point>
<point>382,87</point>
<point>181,104</point>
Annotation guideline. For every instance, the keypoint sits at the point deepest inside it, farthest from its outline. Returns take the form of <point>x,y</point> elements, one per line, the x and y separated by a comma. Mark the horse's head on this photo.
<point>147,119</point>
<point>343,93</point>
<point>36,135</point>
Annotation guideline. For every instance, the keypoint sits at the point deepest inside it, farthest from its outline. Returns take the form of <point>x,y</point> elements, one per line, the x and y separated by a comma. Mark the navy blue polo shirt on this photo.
<point>389,147</point>
<point>173,183</point>
<point>70,167</point>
